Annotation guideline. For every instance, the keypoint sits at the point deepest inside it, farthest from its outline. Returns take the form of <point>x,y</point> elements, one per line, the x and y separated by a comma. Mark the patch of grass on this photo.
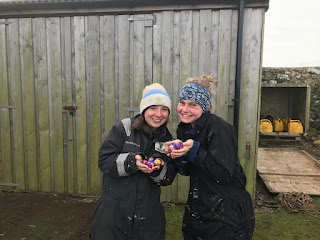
<point>279,225</point>
<point>286,226</point>
<point>174,214</point>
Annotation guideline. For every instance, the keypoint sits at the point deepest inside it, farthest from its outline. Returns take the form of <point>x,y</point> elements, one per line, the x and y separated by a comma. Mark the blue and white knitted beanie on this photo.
<point>154,94</point>
<point>196,92</point>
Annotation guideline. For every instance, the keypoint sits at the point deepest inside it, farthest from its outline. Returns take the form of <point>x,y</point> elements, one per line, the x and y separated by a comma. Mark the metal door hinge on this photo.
<point>10,107</point>
<point>5,22</point>
<point>132,109</point>
<point>145,18</point>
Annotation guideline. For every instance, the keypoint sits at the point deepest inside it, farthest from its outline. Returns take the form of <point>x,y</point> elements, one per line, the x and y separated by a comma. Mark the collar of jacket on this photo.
<point>200,122</point>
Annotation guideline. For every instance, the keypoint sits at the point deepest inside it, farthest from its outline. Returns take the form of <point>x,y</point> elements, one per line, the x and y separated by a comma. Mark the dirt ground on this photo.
<point>33,215</point>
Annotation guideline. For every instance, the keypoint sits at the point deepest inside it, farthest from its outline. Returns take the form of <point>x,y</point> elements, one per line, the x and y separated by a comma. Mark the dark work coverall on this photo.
<point>218,207</point>
<point>130,206</point>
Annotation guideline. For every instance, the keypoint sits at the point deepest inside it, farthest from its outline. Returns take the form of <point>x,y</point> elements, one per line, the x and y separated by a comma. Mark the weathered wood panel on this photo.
<point>93,99</point>
<point>6,174</point>
<point>137,63</point>
<point>167,56</point>
<point>205,29</point>
<point>55,103</point>
<point>29,111</point>
<point>81,99</point>
<point>250,86</point>
<point>101,64</point>
<point>181,184</point>
<point>67,100</point>
<point>18,133</point>
<point>195,42</point>
<point>124,65</point>
<point>148,49</point>
<point>225,22</point>
<point>157,42</point>
<point>108,73</point>
<point>42,96</point>
<point>233,67</point>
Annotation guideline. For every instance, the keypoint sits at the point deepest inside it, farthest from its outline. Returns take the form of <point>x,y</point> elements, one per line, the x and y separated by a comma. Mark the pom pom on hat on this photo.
<point>154,94</point>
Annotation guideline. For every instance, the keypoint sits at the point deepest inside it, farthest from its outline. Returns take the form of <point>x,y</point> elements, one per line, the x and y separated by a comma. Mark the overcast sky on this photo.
<point>292,34</point>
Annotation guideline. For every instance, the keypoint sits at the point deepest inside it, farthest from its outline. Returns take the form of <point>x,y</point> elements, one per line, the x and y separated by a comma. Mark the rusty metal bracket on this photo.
<point>71,109</point>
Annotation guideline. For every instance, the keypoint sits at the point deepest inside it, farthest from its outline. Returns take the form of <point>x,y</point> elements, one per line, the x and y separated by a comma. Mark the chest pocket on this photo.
<point>131,144</point>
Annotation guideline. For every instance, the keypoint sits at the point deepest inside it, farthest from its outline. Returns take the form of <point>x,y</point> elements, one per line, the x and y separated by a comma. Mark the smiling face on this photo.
<point>156,116</point>
<point>189,111</point>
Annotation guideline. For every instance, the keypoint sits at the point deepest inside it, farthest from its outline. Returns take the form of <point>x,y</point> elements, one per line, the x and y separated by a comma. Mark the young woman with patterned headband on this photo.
<point>218,207</point>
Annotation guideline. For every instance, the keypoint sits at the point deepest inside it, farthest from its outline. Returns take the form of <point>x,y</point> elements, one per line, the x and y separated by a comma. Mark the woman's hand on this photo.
<point>167,144</point>
<point>144,168</point>
<point>175,153</point>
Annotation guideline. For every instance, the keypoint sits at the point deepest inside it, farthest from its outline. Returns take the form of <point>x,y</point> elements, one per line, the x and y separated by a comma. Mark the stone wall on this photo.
<point>308,75</point>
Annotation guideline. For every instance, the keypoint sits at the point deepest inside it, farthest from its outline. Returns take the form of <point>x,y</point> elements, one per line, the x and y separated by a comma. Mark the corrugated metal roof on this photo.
<point>13,8</point>
<point>149,2</point>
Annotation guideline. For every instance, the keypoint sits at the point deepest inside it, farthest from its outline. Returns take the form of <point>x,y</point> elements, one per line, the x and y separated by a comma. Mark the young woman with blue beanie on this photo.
<point>218,207</point>
<point>130,206</point>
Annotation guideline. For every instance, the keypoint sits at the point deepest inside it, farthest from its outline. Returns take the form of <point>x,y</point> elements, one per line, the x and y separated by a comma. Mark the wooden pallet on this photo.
<point>289,170</point>
<point>282,135</point>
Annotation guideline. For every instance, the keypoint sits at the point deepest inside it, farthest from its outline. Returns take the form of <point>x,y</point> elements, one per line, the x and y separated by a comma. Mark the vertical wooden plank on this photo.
<point>214,56</point>
<point>14,70</point>
<point>131,65</point>
<point>250,84</point>
<point>5,133</point>
<point>92,45</point>
<point>148,37</point>
<point>116,65</point>
<point>175,91</point>
<point>195,45</point>
<point>167,69</point>
<point>81,99</point>
<point>170,193</point>
<point>138,60</point>
<point>167,51</point>
<point>157,57</point>
<point>224,63</point>
<point>124,65</point>
<point>186,44</point>
<point>176,72</point>
<point>205,42</point>
<point>55,102</point>
<point>27,78</point>
<point>41,78</point>
<point>68,118</point>
<point>108,76</point>
<point>233,62</point>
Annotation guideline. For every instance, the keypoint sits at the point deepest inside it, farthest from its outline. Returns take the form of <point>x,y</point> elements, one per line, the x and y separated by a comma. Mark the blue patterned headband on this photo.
<point>196,92</point>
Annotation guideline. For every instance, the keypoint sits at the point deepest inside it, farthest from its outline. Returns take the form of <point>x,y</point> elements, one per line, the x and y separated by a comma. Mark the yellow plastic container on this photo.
<point>265,126</point>
<point>278,125</point>
<point>295,126</point>
<point>285,123</point>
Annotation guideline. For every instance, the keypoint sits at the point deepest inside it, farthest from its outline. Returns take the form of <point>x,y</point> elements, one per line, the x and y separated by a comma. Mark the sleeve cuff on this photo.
<point>193,152</point>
